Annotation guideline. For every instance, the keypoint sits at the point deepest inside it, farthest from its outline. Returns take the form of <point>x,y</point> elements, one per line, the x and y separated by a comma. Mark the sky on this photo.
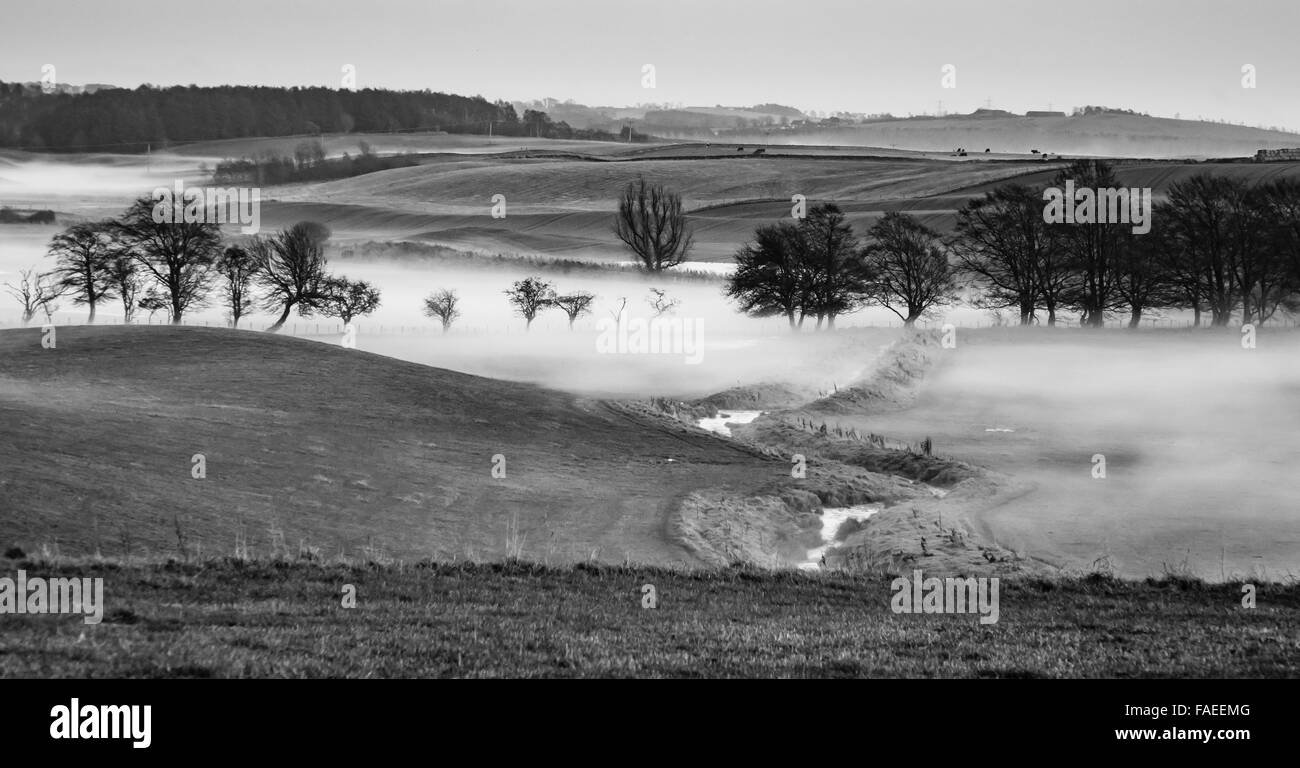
<point>1164,57</point>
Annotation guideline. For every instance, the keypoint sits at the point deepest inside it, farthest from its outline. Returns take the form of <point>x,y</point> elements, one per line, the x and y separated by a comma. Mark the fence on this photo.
<point>310,329</point>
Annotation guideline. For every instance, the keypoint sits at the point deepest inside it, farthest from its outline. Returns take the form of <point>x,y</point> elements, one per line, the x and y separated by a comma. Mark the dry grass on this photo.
<point>231,618</point>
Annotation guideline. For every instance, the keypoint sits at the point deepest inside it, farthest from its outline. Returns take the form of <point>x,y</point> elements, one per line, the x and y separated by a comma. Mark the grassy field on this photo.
<point>333,448</point>
<point>566,206</point>
<point>560,205</point>
<point>284,619</point>
<point>1114,135</point>
<point>308,446</point>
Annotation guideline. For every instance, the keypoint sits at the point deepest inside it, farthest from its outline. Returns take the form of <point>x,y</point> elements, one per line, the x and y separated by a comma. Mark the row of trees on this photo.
<point>179,267</point>
<point>149,116</point>
<point>528,296</point>
<point>531,296</point>
<point>815,267</point>
<point>308,163</point>
<point>818,267</point>
<point>1217,245</point>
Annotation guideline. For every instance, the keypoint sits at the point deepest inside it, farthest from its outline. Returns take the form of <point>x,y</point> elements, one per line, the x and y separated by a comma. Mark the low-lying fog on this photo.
<point>1201,438</point>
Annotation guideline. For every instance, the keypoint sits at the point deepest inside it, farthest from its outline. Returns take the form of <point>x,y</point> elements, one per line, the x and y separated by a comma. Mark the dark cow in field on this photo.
<point>760,151</point>
<point>740,149</point>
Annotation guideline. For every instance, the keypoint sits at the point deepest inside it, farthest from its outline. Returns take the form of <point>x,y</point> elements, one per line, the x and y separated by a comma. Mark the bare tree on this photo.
<point>1004,243</point>
<point>346,299</point>
<point>909,266</point>
<point>152,301</point>
<point>661,302</point>
<point>37,292</point>
<point>771,275</point>
<point>530,296</point>
<point>575,305</point>
<point>1094,249</point>
<point>652,223</point>
<point>291,267</point>
<point>125,276</point>
<point>83,252</point>
<point>834,272</point>
<point>237,268</point>
<point>179,256</point>
<point>442,305</point>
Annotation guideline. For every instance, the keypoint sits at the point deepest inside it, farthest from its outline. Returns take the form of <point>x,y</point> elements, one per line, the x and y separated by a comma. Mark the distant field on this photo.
<point>569,185</point>
<point>268,619</point>
<point>559,206</point>
<point>1101,135</point>
<point>337,144</point>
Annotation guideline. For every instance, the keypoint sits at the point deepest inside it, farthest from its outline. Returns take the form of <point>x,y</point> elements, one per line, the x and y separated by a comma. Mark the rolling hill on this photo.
<point>564,206</point>
<point>313,445</point>
<point>1105,135</point>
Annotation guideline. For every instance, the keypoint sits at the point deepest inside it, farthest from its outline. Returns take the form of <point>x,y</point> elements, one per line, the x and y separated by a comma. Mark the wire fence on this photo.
<point>309,328</point>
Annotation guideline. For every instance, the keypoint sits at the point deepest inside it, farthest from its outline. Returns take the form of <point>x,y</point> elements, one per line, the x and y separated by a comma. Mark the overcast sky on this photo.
<point>1157,56</point>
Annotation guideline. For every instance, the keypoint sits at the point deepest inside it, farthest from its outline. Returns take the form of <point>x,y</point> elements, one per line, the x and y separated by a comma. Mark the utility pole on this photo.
<point>940,113</point>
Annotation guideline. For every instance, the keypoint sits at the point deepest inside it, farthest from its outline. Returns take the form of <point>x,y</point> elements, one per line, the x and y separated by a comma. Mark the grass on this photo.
<point>341,448</point>
<point>280,618</point>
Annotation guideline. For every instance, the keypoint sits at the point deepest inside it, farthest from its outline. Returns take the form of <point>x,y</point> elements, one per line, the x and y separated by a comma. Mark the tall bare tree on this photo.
<point>909,267</point>
<point>83,252</point>
<point>237,268</point>
<point>179,256</point>
<point>291,269</point>
<point>771,275</point>
<point>652,224</point>
<point>836,272</point>
<point>1002,241</point>
<point>1093,249</point>
<point>125,276</point>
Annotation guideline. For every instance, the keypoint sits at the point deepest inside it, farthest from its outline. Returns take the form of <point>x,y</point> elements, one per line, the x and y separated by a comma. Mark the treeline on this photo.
<point>145,263</point>
<point>10,216</point>
<point>133,119</point>
<point>1217,246</point>
<point>533,295</point>
<point>308,163</point>
<point>819,268</point>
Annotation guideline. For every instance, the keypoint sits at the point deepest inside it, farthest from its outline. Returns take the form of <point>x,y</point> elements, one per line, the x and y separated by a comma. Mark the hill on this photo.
<point>1104,134</point>
<point>564,206</point>
<point>339,450</point>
